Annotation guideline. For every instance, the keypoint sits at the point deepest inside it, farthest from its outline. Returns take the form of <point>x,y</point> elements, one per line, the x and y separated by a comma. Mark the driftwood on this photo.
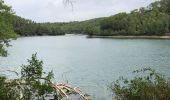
<point>63,90</point>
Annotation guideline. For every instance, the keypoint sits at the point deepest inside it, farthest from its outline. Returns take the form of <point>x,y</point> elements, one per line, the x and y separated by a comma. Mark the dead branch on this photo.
<point>64,90</point>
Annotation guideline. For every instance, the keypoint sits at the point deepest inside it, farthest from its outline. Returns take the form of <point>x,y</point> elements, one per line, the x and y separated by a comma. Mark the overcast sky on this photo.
<point>56,11</point>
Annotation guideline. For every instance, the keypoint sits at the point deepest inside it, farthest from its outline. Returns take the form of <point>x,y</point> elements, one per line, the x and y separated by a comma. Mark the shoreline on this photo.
<point>131,37</point>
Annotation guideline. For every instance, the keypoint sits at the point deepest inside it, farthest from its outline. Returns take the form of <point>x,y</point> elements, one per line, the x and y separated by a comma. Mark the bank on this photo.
<point>131,37</point>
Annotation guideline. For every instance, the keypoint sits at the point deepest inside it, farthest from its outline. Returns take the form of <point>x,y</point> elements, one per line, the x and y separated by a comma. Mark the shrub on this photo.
<point>146,85</point>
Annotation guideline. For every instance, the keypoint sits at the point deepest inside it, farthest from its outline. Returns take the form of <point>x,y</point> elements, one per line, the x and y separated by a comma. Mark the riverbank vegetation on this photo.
<point>146,21</point>
<point>34,83</point>
<point>151,20</point>
<point>25,27</point>
<point>6,28</point>
<point>146,85</point>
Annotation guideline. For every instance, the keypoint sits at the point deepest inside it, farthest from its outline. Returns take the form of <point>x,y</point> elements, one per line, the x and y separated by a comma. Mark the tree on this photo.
<point>151,20</point>
<point>6,29</point>
<point>165,6</point>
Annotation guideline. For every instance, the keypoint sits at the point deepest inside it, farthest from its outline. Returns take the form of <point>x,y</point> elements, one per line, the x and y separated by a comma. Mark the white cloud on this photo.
<point>56,11</point>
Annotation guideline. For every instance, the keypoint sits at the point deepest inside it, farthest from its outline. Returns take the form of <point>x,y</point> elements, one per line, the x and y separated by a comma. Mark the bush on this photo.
<point>146,85</point>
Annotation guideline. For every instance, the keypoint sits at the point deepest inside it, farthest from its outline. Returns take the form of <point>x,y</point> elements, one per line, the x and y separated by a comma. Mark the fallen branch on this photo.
<point>64,90</point>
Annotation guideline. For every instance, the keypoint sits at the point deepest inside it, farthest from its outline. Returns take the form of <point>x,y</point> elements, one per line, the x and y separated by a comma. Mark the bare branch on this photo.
<point>67,2</point>
<point>64,90</point>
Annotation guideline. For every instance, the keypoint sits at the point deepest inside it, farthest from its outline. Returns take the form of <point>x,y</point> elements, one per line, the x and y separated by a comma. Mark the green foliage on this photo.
<point>34,83</point>
<point>33,74</point>
<point>152,20</point>
<point>165,6</point>
<point>6,29</point>
<point>83,27</point>
<point>33,70</point>
<point>146,85</point>
<point>7,92</point>
<point>91,30</point>
<point>25,27</point>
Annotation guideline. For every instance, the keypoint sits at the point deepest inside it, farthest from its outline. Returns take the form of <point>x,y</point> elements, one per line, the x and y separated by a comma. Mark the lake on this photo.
<point>89,63</point>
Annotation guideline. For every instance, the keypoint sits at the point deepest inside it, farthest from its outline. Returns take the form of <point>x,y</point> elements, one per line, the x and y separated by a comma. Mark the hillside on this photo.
<point>146,21</point>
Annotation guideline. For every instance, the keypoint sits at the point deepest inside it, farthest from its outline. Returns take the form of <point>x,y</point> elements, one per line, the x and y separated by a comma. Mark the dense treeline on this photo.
<point>151,20</point>
<point>82,27</point>
<point>26,27</point>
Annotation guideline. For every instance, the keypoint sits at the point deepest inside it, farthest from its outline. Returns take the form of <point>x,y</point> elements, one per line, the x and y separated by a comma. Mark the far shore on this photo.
<point>131,37</point>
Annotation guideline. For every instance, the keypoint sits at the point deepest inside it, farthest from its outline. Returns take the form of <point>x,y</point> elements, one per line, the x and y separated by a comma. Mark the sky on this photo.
<point>57,11</point>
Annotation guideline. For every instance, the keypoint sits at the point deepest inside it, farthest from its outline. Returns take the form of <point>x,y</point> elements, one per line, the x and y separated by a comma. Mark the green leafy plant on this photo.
<point>34,76</point>
<point>146,85</point>
<point>34,83</point>
<point>6,28</point>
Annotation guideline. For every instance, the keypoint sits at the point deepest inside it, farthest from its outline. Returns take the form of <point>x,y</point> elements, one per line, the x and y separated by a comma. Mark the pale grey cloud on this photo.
<point>56,11</point>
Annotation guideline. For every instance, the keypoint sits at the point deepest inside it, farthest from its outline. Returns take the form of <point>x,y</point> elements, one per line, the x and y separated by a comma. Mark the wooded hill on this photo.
<point>151,20</point>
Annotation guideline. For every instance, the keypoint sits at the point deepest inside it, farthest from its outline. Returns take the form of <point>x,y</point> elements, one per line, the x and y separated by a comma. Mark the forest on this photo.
<point>151,20</point>
<point>146,21</point>
<point>25,27</point>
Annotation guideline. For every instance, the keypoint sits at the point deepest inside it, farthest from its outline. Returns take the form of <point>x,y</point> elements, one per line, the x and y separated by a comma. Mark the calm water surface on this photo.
<point>91,64</point>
